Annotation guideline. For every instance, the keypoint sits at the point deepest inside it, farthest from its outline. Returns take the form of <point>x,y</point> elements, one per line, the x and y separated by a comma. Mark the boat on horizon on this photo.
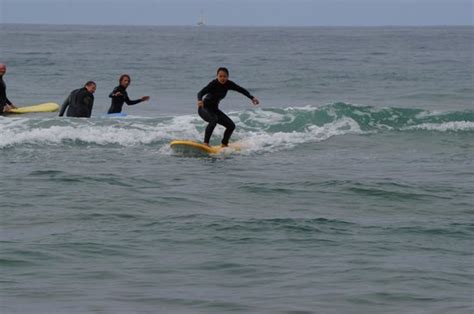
<point>202,20</point>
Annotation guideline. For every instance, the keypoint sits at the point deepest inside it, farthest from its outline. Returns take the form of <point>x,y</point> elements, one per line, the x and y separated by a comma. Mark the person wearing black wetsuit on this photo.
<point>79,103</point>
<point>119,95</point>
<point>208,104</point>
<point>5,103</point>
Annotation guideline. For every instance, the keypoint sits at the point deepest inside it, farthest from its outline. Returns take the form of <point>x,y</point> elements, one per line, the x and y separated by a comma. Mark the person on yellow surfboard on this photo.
<point>5,103</point>
<point>208,104</point>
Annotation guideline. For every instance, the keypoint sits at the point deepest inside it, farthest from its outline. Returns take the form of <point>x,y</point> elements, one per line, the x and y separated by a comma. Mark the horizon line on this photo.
<point>218,25</point>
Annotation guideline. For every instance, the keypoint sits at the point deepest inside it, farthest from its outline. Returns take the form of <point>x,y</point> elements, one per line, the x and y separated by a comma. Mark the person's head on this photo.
<point>91,86</point>
<point>3,69</point>
<point>125,80</point>
<point>222,75</point>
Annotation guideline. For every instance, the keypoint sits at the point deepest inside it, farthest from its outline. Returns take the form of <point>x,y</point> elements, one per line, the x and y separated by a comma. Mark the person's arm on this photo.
<point>243,91</point>
<point>205,90</point>
<point>88,101</point>
<point>65,105</point>
<point>10,104</point>
<point>113,93</point>
<point>130,102</point>
<point>237,88</point>
<point>136,101</point>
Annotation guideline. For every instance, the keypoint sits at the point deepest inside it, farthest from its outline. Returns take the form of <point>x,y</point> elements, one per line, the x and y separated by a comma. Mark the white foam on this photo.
<point>428,114</point>
<point>97,135</point>
<point>444,127</point>
<point>266,117</point>
<point>257,130</point>
<point>252,134</point>
<point>268,142</point>
<point>24,131</point>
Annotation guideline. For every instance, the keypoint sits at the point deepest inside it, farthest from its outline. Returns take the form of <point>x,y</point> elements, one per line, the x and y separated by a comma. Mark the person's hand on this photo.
<point>255,101</point>
<point>145,98</point>
<point>117,94</point>
<point>200,104</point>
<point>7,108</point>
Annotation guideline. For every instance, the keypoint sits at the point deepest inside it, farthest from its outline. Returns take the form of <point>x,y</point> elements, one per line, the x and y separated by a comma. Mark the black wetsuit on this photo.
<point>79,104</point>
<point>3,96</point>
<point>117,101</point>
<point>212,94</point>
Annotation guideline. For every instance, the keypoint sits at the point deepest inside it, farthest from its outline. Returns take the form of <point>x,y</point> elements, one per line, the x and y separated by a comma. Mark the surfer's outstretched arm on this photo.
<point>243,91</point>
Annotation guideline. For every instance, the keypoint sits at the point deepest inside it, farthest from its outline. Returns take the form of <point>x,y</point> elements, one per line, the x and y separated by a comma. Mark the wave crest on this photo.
<point>257,129</point>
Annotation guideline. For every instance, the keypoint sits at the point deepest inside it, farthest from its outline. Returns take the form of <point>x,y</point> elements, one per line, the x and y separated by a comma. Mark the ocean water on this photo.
<point>352,193</point>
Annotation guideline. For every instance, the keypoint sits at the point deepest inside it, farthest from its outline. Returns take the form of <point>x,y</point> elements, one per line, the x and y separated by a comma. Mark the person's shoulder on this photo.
<point>231,83</point>
<point>84,92</point>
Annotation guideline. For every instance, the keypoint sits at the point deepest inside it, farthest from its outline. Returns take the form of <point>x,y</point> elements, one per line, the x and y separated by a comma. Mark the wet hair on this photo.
<point>223,70</point>
<point>124,76</point>
<point>89,83</point>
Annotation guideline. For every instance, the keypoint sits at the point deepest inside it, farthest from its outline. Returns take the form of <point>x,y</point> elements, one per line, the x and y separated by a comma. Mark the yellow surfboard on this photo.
<point>196,148</point>
<point>46,107</point>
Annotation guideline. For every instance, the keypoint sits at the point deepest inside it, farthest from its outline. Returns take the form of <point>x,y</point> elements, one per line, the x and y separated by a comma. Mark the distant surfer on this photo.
<point>79,103</point>
<point>208,104</point>
<point>119,95</point>
<point>5,103</point>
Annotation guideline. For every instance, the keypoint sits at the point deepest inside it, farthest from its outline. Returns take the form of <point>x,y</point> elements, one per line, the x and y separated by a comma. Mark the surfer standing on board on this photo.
<point>119,95</point>
<point>5,104</point>
<point>208,104</point>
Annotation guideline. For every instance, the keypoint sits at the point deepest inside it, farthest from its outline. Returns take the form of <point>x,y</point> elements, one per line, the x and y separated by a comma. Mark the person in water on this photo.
<point>208,104</point>
<point>79,103</point>
<point>5,104</point>
<point>119,95</point>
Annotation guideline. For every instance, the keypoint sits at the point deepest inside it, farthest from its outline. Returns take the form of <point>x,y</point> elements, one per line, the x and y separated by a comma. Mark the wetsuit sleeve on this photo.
<point>88,101</point>
<point>205,90</point>
<point>131,102</point>
<point>111,95</point>
<point>65,105</point>
<point>237,88</point>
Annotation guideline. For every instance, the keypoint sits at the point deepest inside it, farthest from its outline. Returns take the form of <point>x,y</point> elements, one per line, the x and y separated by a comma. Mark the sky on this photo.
<point>239,12</point>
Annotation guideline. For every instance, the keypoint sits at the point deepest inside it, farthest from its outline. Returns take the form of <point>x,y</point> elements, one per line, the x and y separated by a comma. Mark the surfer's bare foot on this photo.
<point>224,145</point>
<point>207,144</point>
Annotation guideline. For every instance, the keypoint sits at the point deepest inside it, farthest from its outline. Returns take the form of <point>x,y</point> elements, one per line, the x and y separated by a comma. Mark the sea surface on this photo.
<point>352,193</point>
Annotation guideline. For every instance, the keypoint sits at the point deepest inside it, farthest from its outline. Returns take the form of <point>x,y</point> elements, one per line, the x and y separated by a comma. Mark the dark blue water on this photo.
<point>352,192</point>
